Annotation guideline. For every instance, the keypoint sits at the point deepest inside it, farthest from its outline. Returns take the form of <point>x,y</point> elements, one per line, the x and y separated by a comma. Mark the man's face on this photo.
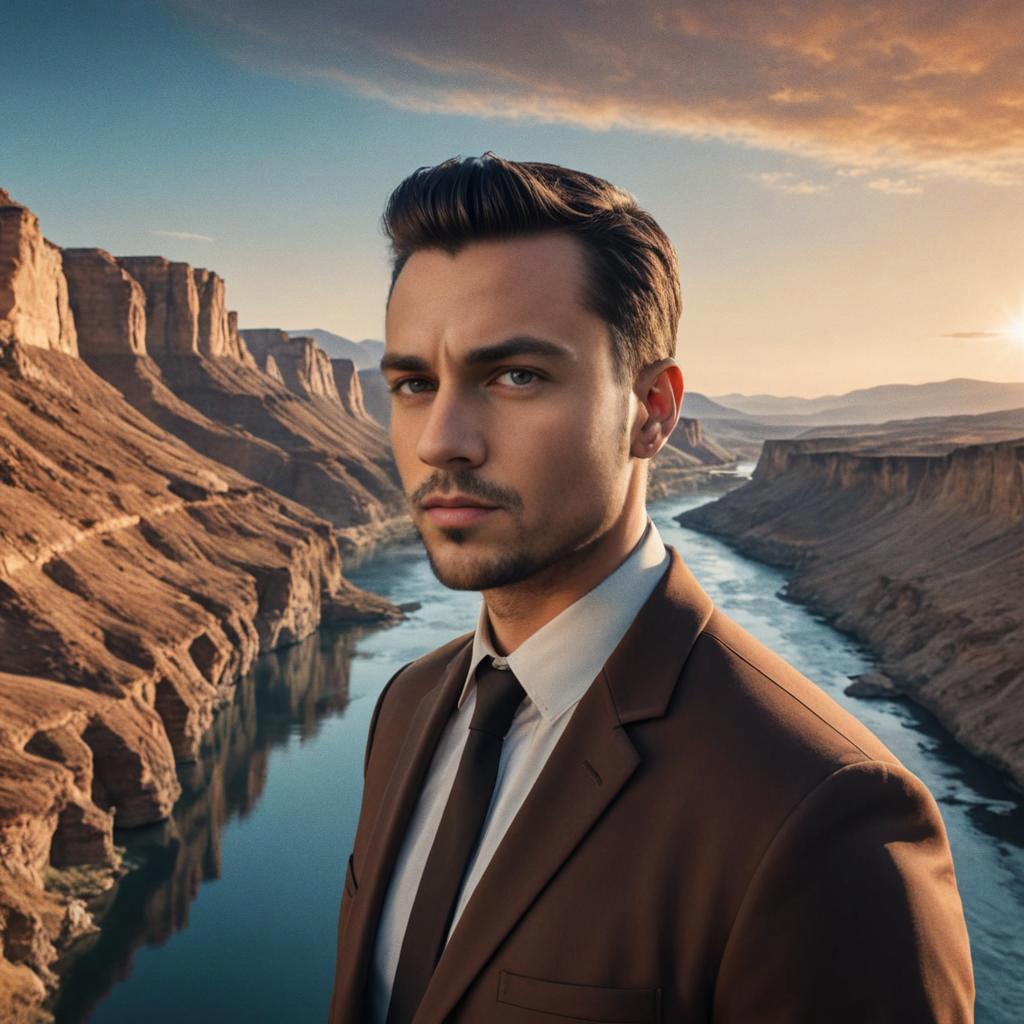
<point>504,393</point>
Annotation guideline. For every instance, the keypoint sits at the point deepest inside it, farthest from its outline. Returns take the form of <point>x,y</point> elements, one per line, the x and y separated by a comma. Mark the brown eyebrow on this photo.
<point>523,345</point>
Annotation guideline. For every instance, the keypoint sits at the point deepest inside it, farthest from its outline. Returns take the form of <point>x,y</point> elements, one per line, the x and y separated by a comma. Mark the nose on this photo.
<point>452,432</point>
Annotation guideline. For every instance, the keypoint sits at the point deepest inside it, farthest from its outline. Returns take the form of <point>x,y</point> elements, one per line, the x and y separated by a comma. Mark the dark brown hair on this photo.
<point>633,279</point>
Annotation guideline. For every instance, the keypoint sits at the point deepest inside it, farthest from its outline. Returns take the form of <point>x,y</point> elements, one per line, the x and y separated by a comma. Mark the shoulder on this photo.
<point>779,706</point>
<point>758,737</point>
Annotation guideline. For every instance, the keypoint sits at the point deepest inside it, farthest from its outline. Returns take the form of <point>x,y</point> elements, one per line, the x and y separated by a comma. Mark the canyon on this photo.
<point>168,511</point>
<point>912,540</point>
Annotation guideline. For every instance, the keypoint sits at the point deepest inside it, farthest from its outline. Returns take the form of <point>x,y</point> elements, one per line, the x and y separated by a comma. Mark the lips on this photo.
<point>458,510</point>
<point>458,501</point>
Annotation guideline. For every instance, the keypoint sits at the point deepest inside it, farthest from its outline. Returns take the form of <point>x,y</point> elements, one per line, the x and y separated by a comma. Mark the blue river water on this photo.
<point>229,912</point>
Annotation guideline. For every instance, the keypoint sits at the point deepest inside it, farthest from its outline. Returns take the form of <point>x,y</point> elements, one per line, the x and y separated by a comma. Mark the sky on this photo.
<point>843,181</point>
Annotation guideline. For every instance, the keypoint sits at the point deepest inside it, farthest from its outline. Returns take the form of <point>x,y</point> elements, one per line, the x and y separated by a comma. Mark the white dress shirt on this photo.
<point>555,666</point>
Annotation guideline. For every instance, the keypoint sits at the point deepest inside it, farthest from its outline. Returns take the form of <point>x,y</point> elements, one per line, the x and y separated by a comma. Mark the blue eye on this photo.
<point>396,388</point>
<point>520,370</point>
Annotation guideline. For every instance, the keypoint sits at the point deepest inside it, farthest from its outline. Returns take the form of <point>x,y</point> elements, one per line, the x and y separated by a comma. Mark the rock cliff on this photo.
<point>172,303</point>
<point>296,438</point>
<point>216,332</point>
<point>304,368</point>
<point>350,392</point>
<point>139,578</point>
<point>108,303</point>
<point>33,290</point>
<point>690,438</point>
<point>920,556</point>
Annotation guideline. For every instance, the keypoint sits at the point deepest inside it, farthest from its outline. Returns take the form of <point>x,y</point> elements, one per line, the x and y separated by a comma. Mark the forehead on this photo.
<point>527,285</point>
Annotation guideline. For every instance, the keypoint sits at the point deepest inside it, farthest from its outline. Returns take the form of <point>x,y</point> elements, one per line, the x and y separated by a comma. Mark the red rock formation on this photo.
<point>690,438</point>
<point>172,302</point>
<point>213,336</point>
<point>138,578</point>
<point>301,364</point>
<point>237,348</point>
<point>222,404</point>
<point>272,370</point>
<point>108,303</point>
<point>143,578</point>
<point>919,556</point>
<point>33,292</point>
<point>338,466</point>
<point>350,392</point>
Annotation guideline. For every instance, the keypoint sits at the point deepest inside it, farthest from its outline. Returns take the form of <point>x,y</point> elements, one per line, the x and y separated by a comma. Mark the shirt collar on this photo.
<point>557,663</point>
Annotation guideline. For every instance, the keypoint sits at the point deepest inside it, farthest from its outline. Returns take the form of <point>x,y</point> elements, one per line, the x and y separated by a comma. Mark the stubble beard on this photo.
<point>515,565</point>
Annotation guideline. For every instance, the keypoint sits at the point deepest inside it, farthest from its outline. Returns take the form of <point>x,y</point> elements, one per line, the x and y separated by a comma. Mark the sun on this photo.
<point>1015,330</point>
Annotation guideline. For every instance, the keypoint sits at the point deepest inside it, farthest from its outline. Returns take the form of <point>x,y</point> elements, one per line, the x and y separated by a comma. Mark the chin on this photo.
<point>459,570</point>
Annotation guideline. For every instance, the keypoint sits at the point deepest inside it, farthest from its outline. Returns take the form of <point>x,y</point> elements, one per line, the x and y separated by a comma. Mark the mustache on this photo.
<point>465,483</point>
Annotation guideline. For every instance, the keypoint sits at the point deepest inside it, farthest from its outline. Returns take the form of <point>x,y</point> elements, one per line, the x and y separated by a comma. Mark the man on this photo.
<point>608,802</point>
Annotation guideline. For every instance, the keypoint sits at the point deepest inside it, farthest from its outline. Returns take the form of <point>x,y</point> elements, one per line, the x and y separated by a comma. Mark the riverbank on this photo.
<point>920,557</point>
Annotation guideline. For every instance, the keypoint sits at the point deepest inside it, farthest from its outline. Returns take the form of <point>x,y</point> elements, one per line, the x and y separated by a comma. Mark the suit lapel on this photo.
<point>592,761</point>
<point>397,804</point>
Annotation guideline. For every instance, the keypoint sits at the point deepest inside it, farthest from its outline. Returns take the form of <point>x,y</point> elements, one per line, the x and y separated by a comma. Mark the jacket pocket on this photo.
<point>581,1002</point>
<point>351,885</point>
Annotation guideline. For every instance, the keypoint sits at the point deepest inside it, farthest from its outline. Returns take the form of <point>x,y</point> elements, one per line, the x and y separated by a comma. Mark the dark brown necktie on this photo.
<point>498,694</point>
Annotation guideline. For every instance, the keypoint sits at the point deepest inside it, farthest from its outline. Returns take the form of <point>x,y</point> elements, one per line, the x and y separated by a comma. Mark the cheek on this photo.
<point>571,455</point>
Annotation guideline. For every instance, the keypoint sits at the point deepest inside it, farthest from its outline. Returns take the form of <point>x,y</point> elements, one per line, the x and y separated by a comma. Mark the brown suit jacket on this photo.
<point>713,839</point>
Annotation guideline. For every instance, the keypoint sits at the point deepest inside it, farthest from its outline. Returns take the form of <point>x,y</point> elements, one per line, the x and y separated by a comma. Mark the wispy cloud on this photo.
<point>910,87</point>
<point>895,186</point>
<point>787,181</point>
<point>188,236</point>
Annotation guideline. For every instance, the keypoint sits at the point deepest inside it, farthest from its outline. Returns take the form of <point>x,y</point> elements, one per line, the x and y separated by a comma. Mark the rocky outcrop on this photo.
<point>108,303</point>
<point>138,581</point>
<point>301,365</point>
<point>212,335</point>
<point>172,303</point>
<point>295,438</point>
<point>690,438</point>
<point>139,578</point>
<point>338,466</point>
<point>350,392</point>
<point>33,291</point>
<point>237,349</point>
<point>920,556</point>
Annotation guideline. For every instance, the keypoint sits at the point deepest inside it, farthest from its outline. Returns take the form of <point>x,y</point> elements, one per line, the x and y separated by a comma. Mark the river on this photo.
<point>229,912</point>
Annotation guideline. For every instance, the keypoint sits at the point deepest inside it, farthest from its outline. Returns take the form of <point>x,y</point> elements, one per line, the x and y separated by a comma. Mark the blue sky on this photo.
<point>818,253</point>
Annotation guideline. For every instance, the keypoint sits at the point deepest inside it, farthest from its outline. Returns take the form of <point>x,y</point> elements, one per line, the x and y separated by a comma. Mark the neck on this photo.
<point>516,612</point>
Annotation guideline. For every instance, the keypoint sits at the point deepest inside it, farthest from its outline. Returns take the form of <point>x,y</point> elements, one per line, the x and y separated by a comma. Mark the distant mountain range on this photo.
<point>365,353</point>
<point>955,397</point>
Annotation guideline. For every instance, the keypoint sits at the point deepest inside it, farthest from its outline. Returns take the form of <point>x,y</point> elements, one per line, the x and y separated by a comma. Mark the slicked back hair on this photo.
<point>632,268</point>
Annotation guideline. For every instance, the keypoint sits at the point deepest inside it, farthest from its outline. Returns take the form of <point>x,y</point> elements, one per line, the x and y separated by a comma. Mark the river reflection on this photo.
<point>230,911</point>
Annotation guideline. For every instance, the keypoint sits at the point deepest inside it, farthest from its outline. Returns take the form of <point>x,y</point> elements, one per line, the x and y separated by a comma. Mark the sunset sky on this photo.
<point>844,182</point>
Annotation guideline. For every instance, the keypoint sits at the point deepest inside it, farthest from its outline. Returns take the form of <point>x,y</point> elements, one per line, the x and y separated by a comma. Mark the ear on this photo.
<point>659,388</point>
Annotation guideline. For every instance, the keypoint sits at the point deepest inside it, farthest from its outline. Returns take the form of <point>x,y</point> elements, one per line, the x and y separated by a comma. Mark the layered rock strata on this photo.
<point>33,291</point>
<point>350,391</point>
<point>108,303</point>
<point>139,578</point>
<point>302,366</point>
<point>919,556</point>
<point>138,581</point>
<point>296,440</point>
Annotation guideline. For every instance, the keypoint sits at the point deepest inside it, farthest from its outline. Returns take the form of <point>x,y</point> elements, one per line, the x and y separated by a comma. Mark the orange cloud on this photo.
<point>912,85</point>
<point>787,181</point>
